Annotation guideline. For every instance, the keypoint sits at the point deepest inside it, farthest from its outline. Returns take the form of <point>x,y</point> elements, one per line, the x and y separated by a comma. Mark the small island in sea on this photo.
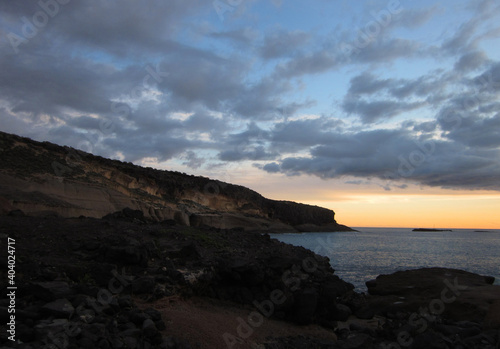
<point>430,229</point>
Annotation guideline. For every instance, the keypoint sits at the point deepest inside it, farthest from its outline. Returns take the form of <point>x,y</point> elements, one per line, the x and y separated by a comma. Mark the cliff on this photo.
<point>42,178</point>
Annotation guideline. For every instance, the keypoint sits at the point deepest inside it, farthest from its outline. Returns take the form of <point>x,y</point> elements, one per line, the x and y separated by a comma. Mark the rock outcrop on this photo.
<point>79,279</point>
<point>453,293</point>
<point>41,178</point>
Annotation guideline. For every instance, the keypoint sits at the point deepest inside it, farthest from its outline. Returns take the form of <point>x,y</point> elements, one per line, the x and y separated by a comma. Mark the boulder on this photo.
<point>50,291</point>
<point>61,308</point>
<point>143,285</point>
<point>127,255</point>
<point>127,214</point>
<point>492,319</point>
<point>452,293</point>
<point>305,307</point>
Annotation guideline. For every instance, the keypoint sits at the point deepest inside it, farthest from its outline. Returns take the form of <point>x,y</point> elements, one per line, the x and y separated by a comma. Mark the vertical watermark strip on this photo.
<point>11,288</point>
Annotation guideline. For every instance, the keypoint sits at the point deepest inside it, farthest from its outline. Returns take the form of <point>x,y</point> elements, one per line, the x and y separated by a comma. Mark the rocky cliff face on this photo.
<point>40,178</point>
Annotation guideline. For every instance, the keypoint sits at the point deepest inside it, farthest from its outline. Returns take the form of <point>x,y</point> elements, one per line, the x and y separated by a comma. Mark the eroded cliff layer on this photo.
<point>42,178</point>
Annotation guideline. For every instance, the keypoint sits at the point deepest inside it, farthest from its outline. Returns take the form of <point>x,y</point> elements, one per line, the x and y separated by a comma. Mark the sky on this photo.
<point>387,112</point>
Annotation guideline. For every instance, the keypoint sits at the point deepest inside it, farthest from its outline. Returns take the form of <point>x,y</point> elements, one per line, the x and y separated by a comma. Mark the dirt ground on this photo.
<point>205,322</point>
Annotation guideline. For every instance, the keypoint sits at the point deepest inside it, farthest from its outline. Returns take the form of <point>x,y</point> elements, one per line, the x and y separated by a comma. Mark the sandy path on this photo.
<point>205,322</point>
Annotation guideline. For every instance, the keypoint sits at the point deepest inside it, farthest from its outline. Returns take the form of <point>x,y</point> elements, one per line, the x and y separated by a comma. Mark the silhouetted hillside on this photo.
<point>41,178</point>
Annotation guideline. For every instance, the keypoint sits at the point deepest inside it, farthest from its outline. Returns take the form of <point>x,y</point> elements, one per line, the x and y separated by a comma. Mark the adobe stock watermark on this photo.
<point>372,29</point>
<point>30,27</point>
<point>224,6</point>
<point>420,320</point>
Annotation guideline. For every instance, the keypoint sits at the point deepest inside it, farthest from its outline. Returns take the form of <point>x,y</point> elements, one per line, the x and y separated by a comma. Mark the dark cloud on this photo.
<point>373,111</point>
<point>471,61</point>
<point>428,86</point>
<point>136,146</point>
<point>272,167</point>
<point>250,144</point>
<point>366,83</point>
<point>247,152</point>
<point>306,64</point>
<point>282,43</point>
<point>477,132</point>
<point>205,79</point>
<point>385,51</point>
<point>415,18</point>
<point>206,123</point>
<point>44,84</point>
<point>489,81</point>
<point>192,160</point>
<point>302,133</point>
<point>240,36</point>
<point>398,156</point>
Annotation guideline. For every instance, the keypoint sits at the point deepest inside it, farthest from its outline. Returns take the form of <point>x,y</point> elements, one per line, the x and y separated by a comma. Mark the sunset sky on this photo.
<point>387,112</point>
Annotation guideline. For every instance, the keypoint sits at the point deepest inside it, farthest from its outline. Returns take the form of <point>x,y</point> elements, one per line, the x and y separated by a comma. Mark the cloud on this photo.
<point>192,160</point>
<point>136,146</point>
<point>282,43</point>
<point>399,157</point>
<point>40,84</point>
<point>415,18</point>
<point>240,36</point>
<point>468,36</point>
<point>247,152</point>
<point>201,78</point>
<point>385,51</point>
<point>477,132</point>
<point>306,64</point>
<point>366,83</point>
<point>247,145</point>
<point>272,167</point>
<point>471,61</point>
<point>373,111</point>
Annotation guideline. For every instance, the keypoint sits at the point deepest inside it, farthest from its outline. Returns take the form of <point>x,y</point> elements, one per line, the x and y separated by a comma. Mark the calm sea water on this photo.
<point>361,256</point>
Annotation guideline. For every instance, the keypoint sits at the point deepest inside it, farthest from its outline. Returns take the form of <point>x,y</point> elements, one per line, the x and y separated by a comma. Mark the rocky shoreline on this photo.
<point>108,283</point>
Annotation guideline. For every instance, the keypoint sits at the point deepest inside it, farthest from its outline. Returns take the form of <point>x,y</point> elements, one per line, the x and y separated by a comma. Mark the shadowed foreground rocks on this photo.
<point>78,279</point>
<point>94,283</point>
<point>459,294</point>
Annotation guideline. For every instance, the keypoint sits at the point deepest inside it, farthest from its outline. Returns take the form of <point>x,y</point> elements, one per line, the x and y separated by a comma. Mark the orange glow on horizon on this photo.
<point>370,205</point>
<point>418,211</point>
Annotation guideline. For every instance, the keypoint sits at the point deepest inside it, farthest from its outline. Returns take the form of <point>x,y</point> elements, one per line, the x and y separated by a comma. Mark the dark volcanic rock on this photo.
<point>426,282</point>
<point>306,306</point>
<point>127,214</point>
<point>61,308</point>
<point>435,308</point>
<point>127,254</point>
<point>300,342</point>
<point>50,291</point>
<point>457,294</point>
<point>105,264</point>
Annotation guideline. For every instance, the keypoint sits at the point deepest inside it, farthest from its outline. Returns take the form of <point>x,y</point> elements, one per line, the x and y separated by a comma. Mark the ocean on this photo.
<point>361,256</point>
